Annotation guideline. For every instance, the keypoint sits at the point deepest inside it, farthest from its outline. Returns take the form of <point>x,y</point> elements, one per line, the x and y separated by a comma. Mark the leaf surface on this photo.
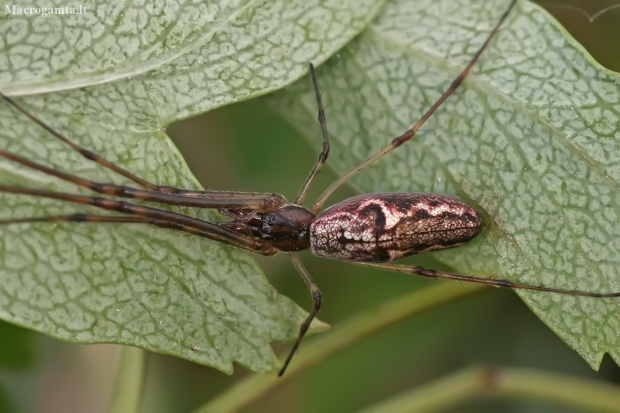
<point>140,67</point>
<point>531,140</point>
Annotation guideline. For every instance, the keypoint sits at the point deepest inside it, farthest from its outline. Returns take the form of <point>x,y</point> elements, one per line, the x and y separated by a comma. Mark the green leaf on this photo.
<point>141,67</point>
<point>531,140</point>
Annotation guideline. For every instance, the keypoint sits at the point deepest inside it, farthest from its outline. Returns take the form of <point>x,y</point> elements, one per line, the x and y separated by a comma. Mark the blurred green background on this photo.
<point>246,148</point>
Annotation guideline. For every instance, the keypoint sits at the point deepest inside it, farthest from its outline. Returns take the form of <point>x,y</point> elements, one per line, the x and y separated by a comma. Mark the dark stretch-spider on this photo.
<point>371,229</point>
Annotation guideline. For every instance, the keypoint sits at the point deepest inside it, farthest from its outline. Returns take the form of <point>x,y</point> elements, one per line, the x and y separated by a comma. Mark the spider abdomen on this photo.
<point>388,226</point>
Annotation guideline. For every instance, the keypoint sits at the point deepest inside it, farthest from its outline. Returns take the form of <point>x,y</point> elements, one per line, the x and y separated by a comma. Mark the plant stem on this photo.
<point>129,379</point>
<point>473,382</point>
<point>342,336</point>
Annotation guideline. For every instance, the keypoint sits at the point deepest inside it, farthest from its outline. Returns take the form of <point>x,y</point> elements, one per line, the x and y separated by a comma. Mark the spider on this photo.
<point>374,229</point>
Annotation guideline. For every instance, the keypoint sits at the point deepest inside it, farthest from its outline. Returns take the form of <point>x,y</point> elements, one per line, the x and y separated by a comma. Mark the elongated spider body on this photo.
<point>388,226</point>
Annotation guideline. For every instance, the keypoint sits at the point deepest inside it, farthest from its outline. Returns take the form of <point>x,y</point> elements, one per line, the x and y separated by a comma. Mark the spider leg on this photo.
<point>415,270</point>
<point>82,151</point>
<point>396,142</point>
<point>271,200</point>
<point>78,218</point>
<point>316,295</point>
<point>323,155</point>
<point>144,214</point>
<point>207,199</point>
